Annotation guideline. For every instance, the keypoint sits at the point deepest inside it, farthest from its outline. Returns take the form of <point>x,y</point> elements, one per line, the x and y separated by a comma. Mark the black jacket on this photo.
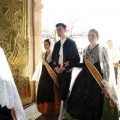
<point>70,53</point>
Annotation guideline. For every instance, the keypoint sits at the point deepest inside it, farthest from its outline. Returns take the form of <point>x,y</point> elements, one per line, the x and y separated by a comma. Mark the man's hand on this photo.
<point>66,63</point>
<point>60,70</point>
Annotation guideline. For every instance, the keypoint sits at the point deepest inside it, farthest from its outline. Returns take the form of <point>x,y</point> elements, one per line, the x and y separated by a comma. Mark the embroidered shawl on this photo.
<point>108,74</point>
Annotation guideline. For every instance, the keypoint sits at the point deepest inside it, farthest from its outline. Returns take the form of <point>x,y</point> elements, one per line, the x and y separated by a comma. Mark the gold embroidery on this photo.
<point>94,72</point>
<point>51,72</point>
<point>97,77</point>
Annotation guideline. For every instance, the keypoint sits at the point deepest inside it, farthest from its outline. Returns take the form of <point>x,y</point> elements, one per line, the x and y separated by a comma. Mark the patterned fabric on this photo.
<point>108,74</point>
<point>94,72</point>
<point>9,96</point>
<point>86,98</point>
<point>92,55</point>
<point>86,101</point>
<point>48,101</point>
<point>51,73</point>
<point>109,81</point>
<point>106,66</point>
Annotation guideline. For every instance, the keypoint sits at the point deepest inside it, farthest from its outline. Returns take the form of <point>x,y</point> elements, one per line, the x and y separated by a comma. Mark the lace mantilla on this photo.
<point>108,75</point>
<point>9,96</point>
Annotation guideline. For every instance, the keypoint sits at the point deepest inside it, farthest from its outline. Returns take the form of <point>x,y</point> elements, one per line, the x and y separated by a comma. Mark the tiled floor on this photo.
<point>32,112</point>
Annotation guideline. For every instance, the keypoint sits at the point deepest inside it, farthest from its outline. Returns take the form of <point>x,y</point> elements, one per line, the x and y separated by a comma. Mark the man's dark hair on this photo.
<point>61,24</point>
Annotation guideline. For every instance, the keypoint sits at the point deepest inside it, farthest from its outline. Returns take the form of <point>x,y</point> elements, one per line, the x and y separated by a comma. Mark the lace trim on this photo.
<point>106,67</point>
<point>109,77</point>
<point>10,98</point>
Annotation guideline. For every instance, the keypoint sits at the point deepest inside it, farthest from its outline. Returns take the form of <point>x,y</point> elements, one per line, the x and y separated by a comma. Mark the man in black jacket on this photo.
<point>65,56</point>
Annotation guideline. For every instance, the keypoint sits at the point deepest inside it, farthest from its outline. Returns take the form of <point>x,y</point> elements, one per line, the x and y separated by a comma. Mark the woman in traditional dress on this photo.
<point>95,85</point>
<point>48,102</point>
<point>10,103</point>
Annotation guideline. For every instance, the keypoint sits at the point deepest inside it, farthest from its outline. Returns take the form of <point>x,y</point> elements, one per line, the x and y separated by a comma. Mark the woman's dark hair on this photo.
<point>47,40</point>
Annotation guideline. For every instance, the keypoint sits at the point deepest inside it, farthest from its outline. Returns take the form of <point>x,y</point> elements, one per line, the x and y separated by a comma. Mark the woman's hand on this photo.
<point>104,91</point>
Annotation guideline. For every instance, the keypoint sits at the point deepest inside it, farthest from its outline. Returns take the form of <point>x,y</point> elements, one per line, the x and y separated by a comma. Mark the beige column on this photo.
<point>36,43</point>
<point>37,31</point>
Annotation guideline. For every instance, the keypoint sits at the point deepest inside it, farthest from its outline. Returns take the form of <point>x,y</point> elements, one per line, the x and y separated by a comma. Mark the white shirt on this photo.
<point>61,52</point>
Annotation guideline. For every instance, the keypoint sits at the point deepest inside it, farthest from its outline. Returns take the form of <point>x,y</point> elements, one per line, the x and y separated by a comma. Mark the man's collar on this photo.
<point>63,40</point>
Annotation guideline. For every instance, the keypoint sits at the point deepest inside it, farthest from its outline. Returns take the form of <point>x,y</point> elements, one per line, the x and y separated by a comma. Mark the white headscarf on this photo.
<point>9,96</point>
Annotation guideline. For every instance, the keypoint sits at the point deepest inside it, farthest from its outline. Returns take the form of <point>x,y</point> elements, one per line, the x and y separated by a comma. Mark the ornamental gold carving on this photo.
<point>14,40</point>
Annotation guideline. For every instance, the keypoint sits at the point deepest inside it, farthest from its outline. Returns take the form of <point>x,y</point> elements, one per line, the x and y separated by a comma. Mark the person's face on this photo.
<point>46,46</point>
<point>110,45</point>
<point>61,31</point>
<point>92,37</point>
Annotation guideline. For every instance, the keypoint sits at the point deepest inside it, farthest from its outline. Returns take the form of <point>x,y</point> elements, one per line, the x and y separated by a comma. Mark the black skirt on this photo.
<point>86,98</point>
<point>45,91</point>
<point>5,113</point>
